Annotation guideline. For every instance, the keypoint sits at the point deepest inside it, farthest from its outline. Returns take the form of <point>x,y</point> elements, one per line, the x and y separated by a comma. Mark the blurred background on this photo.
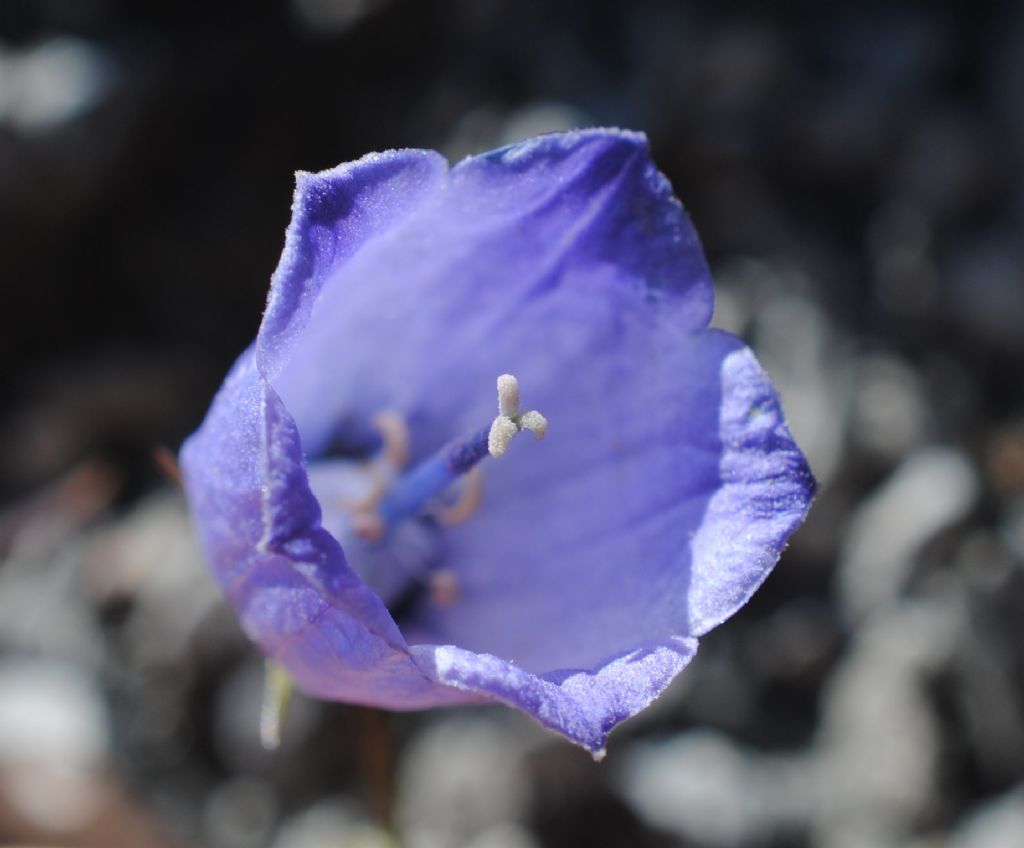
<point>855,173</point>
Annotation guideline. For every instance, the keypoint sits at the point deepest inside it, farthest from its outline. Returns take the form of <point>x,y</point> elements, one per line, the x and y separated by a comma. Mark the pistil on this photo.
<point>414,490</point>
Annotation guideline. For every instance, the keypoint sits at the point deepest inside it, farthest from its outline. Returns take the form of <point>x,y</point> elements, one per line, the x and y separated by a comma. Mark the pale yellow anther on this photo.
<point>379,483</point>
<point>368,525</point>
<point>444,587</point>
<point>469,499</point>
<point>394,434</point>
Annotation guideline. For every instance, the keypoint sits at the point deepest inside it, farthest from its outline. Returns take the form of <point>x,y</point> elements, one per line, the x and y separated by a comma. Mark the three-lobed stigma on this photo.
<point>510,421</point>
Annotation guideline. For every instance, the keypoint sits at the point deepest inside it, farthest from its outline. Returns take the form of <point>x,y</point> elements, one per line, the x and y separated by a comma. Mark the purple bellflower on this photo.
<point>345,484</point>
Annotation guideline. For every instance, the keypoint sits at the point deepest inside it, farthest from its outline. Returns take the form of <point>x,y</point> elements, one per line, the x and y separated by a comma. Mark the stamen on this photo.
<point>378,488</point>
<point>469,499</point>
<point>394,433</point>
<point>444,587</point>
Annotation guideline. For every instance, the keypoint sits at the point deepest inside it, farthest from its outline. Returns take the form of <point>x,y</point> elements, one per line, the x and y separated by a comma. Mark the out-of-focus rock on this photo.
<point>42,611</point>
<point>52,82</point>
<point>796,639</point>
<point>489,126</point>
<point>239,813</point>
<point>461,776</point>
<point>704,787</point>
<point>331,17</point>
<point>889,412</point>
<point>986,561</point>
<point>996,824</point>
<point>51,714</point>
<point>543,116</point>
<point>331,824</point>
<point>878,747</point>
<point>54,738</point>
<point>928,491</point>
<point>503,836</point>
<point>1012,527</point>
<point>152,559</point>
<point>985,691</point>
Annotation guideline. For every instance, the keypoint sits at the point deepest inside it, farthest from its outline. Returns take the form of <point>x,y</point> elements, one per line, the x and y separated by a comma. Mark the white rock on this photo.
<point>152,555</point>
<point>503,836</point>
<point>997,824</point>
<point>330,824</point>
<point>928,491</point>
<point>54,739</point>
<point>51,715</point>
<point>459,777</point>
<point>707,789</point>
<point>1012,527</point>
<point>889,411</point>
<point>239,814</point>
<point>878,746</point>
<point>51,82</point>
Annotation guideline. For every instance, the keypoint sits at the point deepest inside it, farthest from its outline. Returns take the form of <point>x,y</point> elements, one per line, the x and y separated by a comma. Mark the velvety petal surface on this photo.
<point>245,474</point>
<point>334,214</point>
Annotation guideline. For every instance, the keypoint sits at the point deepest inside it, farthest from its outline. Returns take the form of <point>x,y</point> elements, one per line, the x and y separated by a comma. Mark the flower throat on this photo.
<point>390,529</point>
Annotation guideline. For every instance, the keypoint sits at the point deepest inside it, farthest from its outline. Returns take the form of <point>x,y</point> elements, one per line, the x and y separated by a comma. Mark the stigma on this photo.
<point>510,420</point>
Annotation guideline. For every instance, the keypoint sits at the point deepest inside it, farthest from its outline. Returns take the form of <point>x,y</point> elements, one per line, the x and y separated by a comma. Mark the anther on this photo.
<point>469,499</point>
<point>444,587</point>
<point>510,420</point>
<point>394,434</point>
<point>379,483</point>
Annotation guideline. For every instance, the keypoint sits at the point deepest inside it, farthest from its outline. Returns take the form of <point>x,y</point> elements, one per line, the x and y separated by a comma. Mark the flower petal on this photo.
<point>296,596</point>
<point>425,317</point>
<point>766,490</point>
<point>583,705</point>
<point>334,213</point>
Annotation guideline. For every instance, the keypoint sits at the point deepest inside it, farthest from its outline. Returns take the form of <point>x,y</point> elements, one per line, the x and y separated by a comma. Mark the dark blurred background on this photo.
<point>855,173</point>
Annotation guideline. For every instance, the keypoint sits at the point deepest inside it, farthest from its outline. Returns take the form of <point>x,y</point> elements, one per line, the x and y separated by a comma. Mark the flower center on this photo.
<point>388,521</point>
